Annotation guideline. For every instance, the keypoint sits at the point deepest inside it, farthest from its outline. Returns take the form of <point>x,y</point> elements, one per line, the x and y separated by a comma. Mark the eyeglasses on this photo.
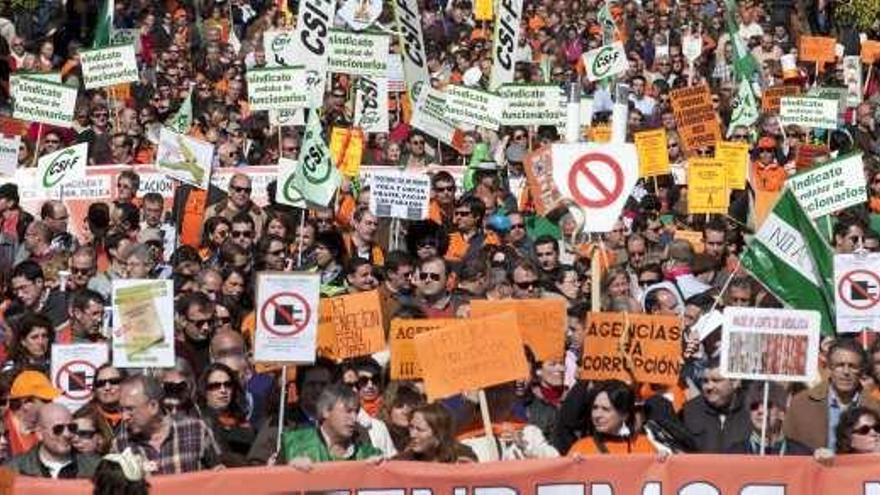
<point>865,429</point>
<point>462,213</point>
<point>517,226</point>
<point>222,320</point>
<point>215,386</point>
<point>445,189</point>
<point>364,380</point>
<point>423,276</point>
<point>527,285</point>
<point>174,388</point>
<point>58,430</point>
<point>237,188</point>
<point>201,323</point>
<point>519,137</point>
<point>241,233</point>
<point>81,271</point>
<point>108,381</point>
<point>86,433</point>
<point>417,142</point>
<point>647,282</point>
<point>277,252</point>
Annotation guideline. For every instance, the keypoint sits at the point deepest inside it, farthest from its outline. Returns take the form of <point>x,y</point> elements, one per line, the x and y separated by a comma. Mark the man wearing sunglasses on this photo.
<point>776,442</point>
<point>195,314</point>
<point>431,289</point>
<point>238,201</point>
<point>54,456</point>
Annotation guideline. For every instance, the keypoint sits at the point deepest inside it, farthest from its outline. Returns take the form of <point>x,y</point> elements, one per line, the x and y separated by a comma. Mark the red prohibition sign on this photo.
<point>870,301</point>
<point>581,167</point>
<point>273,305</point>
<point>87,389</point>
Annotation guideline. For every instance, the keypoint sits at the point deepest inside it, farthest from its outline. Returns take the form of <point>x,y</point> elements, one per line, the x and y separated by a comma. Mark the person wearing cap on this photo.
<point>54,456</point>
<point>767,174</point>
<point>30,392</point>
<point>775,442</point>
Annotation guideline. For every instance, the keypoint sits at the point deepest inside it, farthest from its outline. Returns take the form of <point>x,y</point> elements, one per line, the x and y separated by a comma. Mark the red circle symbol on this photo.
<point>606,195</point>
<point>866,299</point>
<point>75,378</point>
<point>285,309</point>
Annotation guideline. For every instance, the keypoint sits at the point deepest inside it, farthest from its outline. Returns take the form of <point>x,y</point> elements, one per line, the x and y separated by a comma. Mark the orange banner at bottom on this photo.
<point>607,475</point>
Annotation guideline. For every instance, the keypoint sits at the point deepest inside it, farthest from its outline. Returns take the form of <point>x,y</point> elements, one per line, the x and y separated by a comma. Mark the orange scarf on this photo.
<point>19,441</point>
<point>373,406</point>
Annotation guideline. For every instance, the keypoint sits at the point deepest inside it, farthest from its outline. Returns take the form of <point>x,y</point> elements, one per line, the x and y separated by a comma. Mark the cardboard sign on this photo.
<point>43,101</point>
<point>63,166</point>
<point>9,155</point>
<point>735,157</point>
<point>541,322</point>
<point>538,166</point>
<point>371,104</point>
<point>606,61</point>
<point>286,317</point>
<point>360,14</point>
<point>143,323</point>
<point>693,237</point>
<point>770,344</point>
<point>808,154</point>
<point>360,54</point>
<point>807,111</point>
<point>653,152</point>
<point>473,354</point>
<point>627,346</point>
<point>272,89</point>
<point>350,326</point>
<point>707,186</point>
<point>527,104</point>
<point>73,371</point>
<point>770,99</point>
<point>400,195</point>
<point>108,66</point>
<point>185,158</point>
<point>830,187</point>
<point>696,120</point>
<point>473,106</point>
<point>505,41</point>
<point>817,49</point>
<point>347,150</point>
<point>870,51</point>
<point>404,361</point>
<point>857,292</point>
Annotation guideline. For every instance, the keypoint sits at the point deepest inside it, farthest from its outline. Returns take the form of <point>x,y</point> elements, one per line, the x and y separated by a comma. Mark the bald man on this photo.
<point>229,348</point>
<point>54,456</point>
<point>239,200</point>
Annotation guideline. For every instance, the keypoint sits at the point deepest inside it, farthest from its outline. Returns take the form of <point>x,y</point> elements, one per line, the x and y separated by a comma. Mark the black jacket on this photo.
<point>710,433</point>
<point>29,464</point>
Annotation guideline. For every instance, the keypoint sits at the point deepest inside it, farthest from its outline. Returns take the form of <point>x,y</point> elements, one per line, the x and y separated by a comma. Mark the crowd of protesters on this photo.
<point>483,240</point>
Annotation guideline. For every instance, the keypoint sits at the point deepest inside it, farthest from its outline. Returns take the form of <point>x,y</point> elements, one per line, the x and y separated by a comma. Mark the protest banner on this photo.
<point>808,111</point>
<point>52,77</point>
<point>852,80</point>
<point>63,166</point>
<point>653,153</point>
<point>830,187</point>
<point>310,45</point>
<point>470,355</point>
<point>347,150</point>
<point>472,106</point>
<point>126,37</point>
<point>371,104</point>
<point>505,41</point>
<point>108,66</point>
<point>360,14</point>
<point>707,186</point>
<point>870,50</point>
<point>695,117</point>
<point>316,177</point>
<point>73,371</point>
<point>360,54</point>
<point>350,326</point>
<point>817,49</point>
<point>280,48</point>
<point>626,346</point>
<point>9,155</point>
<point>366,176</point>
<point>415,62</point>
<point>43,101</point>
<point>404,362</point>
<point>287,192</point>
<point>276,88</point>
<point>429,116</point>
<point>143,323</point>
<point>607,474</point>
<point>286,317</point>
<point>532,104</point>
<point>185,158</point>
<point>857,292</point>
<point>400,195</point>
<point>770,344</point>
<point>538,166</point>
<point>541,322</point>
<point>772,95</point>
<point>396,84</point>
<point>605,61</point>
<point>735,157</point>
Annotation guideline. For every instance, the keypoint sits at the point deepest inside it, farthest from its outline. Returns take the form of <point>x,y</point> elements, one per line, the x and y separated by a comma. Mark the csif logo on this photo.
<point>605,60</point>
<point>59,167</point>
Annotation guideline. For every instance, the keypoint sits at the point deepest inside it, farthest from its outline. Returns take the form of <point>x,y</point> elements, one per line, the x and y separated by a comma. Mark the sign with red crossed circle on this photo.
<point>287,317</point>
<point>857,292</point>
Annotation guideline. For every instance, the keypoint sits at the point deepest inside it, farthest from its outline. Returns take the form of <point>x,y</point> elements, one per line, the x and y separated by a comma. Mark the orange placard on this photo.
<point>770,99</point>
<point>470,355</point>
<point>350,326</point>
<point>347,150</point>
<point>541,322</point>
<point>695,119</point>
<point>600,133</point>
<point>693,237</point>
<point>870,51</point>
<point>632,347</point>
<point>538,166</point>
<point>404,362</point>
<point>818,49</point>
<point>808,154</point>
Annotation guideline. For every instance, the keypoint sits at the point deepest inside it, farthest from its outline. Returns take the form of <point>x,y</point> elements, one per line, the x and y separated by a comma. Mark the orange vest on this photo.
<point>768,178</point>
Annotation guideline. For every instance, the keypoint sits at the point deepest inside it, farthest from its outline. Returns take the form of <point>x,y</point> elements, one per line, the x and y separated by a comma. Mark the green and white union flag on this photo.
<point>316,178</point>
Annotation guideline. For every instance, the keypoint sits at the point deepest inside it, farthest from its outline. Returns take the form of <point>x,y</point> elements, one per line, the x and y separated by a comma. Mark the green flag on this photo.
<point>181,121</point>
<point>744,107</point>
<point>316,177</point>
<point>105,25</point>
<point>744,64</point>
<point>790,258</point>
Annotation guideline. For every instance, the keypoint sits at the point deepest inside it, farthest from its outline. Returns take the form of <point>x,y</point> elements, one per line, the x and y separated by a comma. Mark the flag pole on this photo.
<point>281,408</point>
<point>764,418</point>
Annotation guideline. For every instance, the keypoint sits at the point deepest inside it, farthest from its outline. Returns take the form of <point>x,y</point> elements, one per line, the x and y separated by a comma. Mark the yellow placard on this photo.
<point>483,10</point>
<point>707,186</point>
<point>653,152</point>
<point>600,133</point>
<point>735,156</point>
<point>347,150</point>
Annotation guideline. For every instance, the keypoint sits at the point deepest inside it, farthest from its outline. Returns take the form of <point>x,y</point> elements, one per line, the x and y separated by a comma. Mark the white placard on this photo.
<point>429,115</point>
<point>415,62</point>
<point>361,54</point>
<point>74,367</point>
<point>371,104</point>
<point>311,41</point>
<point>143,323</point>
<point>277,88</point>
<point>400,195</point>
<point>831,186</point>
<point>108,66</point>
<point>63,166</point>
<point>360,14</point>
<point>9,155</point>
<point>857,292</point>
<point>770,344</point>
<point>287,317</point>
<point>606,61</point>
<point>43,101</point>
<point>473,106</point>
<point>808,111</point>
<point>527,104</point>
<point>279,48</point>
<point>185,158</point>
<point>287,192</point>
<point>505,42</point>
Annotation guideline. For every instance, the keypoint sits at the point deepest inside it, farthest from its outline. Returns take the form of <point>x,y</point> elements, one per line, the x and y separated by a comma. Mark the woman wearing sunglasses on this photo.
<point>104,405</point>
<point>221,400</point>
<point>858,432</point>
